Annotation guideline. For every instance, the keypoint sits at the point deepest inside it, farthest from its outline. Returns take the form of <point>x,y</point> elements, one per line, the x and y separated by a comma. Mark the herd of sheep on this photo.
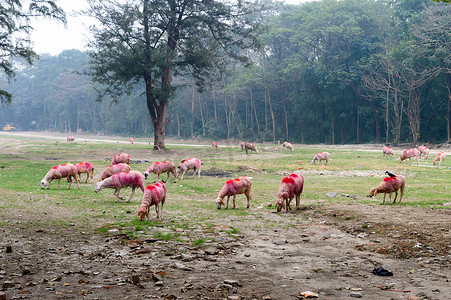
<point>119,175</point>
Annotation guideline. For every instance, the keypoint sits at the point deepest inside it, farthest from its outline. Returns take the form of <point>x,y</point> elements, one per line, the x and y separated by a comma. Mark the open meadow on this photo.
<point>78,244</point>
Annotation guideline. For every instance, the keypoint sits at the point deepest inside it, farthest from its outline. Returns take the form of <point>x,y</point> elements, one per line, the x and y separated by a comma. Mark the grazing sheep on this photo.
<point>290,187</point>
<point>113,169</point>
<point>250,146</point>
<point>388,186</point>
<point>439,158</point>
<point>242,146</point>
<point>132,140</point>
<point>407,154</point>
<point>321,156</point>
<point>161,167</point>
<point>121,180</point>
<point>188,164</point>
<point>233,187</point>
<point>61,171</point>
<point>424,150</point>
<point>155,194</point>
<point>388,151</point>
<point>288,146</point>
<point>214,145</point>
<point>70,139</point>
<point>121,158</point>
<point>85,167</point>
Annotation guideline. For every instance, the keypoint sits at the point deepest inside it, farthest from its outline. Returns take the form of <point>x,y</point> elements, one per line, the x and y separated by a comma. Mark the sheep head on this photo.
<point>43,183</point>
<point>98,186</point>
<point>373,192</point>
<point>143,213</point>
<point>219,202</point>
<point>280,204</point>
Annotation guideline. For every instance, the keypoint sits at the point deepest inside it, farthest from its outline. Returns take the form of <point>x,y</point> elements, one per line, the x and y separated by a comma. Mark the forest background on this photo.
<point>329,71</point>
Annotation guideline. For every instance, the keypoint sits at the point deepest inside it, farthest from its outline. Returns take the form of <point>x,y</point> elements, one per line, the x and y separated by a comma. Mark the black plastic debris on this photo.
<point>382,272</point>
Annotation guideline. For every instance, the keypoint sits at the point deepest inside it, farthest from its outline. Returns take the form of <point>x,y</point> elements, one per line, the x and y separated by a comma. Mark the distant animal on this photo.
<point>424,150</point>
<point>388,151</point>
<point>85,167</point>
<point>161,167</point>
<point>113,169</point>
<point>250,146</point>
<point>214,145</point>
<point>439,158</point>
<point>388,186</point>
<point>122,180</point>
<point>70,139</point>
<point>407,154</point>
<point>154,194</point>
<point>121,158</point>
<point>321,156</point>
<point>68,171</point>
<point>288,146</point>
<point>241,185</point>
<point>132,140</point>
<point>189,164</point>
<point>242,146</point>
<point>291,186</point>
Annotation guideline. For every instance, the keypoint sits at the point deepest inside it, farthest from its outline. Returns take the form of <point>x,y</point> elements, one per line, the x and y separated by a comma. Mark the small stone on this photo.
<point>9,249</point>
<point>266,298</point>
<point>8,284</point>
<point>135,279</point>
<point>331,194</point>
<point>186,257</point>
<point>211,251</point>
<point>2,296</point>
<point>234,283</point>
<point>356,295</point>
<point>159,283</point>
<point>234,298</point>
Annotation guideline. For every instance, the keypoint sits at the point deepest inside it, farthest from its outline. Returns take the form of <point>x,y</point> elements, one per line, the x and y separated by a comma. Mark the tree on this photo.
<point>151,41</point>
<point>14,33</point>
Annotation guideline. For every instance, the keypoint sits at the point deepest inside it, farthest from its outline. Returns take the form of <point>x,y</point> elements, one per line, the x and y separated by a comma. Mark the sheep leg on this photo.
<point>175,176</point>
<point>234,197</point>
<point>298,200</point>
<point>133,191</point>
<point>69,178</point>
<point>402,193</point>
<point>385,194</point>
<point>227,205</point>
<point>248,196</point>
<point>116,192</point>
<point>396,196</point>
<point>59,183</point>
<point>390,198</point>
<point>157,210</point>
<point>287,204</point>
<point>198,173</point>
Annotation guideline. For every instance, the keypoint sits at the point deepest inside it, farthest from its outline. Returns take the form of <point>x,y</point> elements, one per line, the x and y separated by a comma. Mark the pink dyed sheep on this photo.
<point>407,154</point>
<point>132,140</point>
<point>85,167</point>
<point>189,164</point>
<point>121,158</point>
<point>288,146</point>
<point>233,187</point>
<point>121,180</point>
<point>424,150</point>
<point>113,169</point>
<point>161,167</point>
<point>242,146</point>
<point>250,146</point>
<point>155,194</point>
<point>388,186</point>
<point>68,171</point>
<point>321,156</point>
<point>388,151</point>
<point>439,158</point>
<point>291,186</point>
<point>214,145</point>
<point>70,139</point>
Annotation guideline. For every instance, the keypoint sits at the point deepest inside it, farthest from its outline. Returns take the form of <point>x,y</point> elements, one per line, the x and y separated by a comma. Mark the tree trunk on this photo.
<point>373,108</point>
<point>272,114</point>
<point>201,115</point>
<point>192,113</point>
<point>255,111</point>
<point>214,106</point>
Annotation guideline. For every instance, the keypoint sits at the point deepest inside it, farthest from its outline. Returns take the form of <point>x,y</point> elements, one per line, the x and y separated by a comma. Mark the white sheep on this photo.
<point>70,139</point>
<point>121,158</point>
<point>161,167</point>
<point>424,150</point>
<point>155,194</point>
<point>241,185</point>
<point>288,146</point>
<point>214,145</point>
<point>132,140</point>
<point>121,180</point>
<point>250,146</point>
<point>242,146</point>
<point>291,186</point>
<point>388,186</point>
<point>321,156</point>
<point>408,153</point>
<point>388,151</point>
<point>189,164</point>
<point>113,169</point>
<point>68,171</point>
<point>85,167</point>
<point>439,158</point>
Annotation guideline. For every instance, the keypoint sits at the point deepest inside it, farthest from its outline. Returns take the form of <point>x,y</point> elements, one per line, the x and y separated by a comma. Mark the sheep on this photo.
<point>424,150</point>
<point>214,145</point>
<point>68,171</point>
<point>132,140</point>
<point>85,167</point>
<point>113,169</point>
<point>188,164</point>
<point>121,158</point>
<point>439,158</point>
<point>388,186</point>
<point>321,156</point>
<point>388,151</point>
<point>290,187</point>
<point>70,139</point>
<point>242,146</point>
<point>241,185</point>
<point>161,167</point>
<point>121,180</point>
<point>408,153</point>
<point>155,194</point>
<point>288,146</point>
<point>250,146</point>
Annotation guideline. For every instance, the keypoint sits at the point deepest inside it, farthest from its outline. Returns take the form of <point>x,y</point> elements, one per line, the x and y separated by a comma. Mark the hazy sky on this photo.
<point>52,37</point>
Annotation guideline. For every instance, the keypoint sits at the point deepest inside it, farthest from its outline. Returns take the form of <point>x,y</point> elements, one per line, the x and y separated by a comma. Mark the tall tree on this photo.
<point>15,28</point>
<point>150,41</point>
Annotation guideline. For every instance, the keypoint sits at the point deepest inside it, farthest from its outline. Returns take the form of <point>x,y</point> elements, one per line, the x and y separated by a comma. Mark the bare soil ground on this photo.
<point>330,250</point>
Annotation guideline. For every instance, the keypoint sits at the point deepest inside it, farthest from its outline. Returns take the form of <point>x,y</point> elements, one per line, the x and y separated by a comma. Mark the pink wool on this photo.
<point>407,154</point>
<point>439,158</point>
<point>189,164</point>
<point>291,186</point>
<point>85,167</point>
<point>424,150</point>
<point>161,167</point>
<point>154,194</point>
<point>250,146</point>
<point>121,158</point>
<point>68,171</point>
<point>242,146</point>
<point>321,156</point>
<point>388,151</point>
<point>214,145</point>
<point>241,185</point>
<point>388,186</point>
<point>113,169</point>
<point>121,180</point>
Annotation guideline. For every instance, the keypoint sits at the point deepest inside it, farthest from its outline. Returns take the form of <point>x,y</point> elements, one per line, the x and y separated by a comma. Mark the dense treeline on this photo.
<point>331,71</point>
